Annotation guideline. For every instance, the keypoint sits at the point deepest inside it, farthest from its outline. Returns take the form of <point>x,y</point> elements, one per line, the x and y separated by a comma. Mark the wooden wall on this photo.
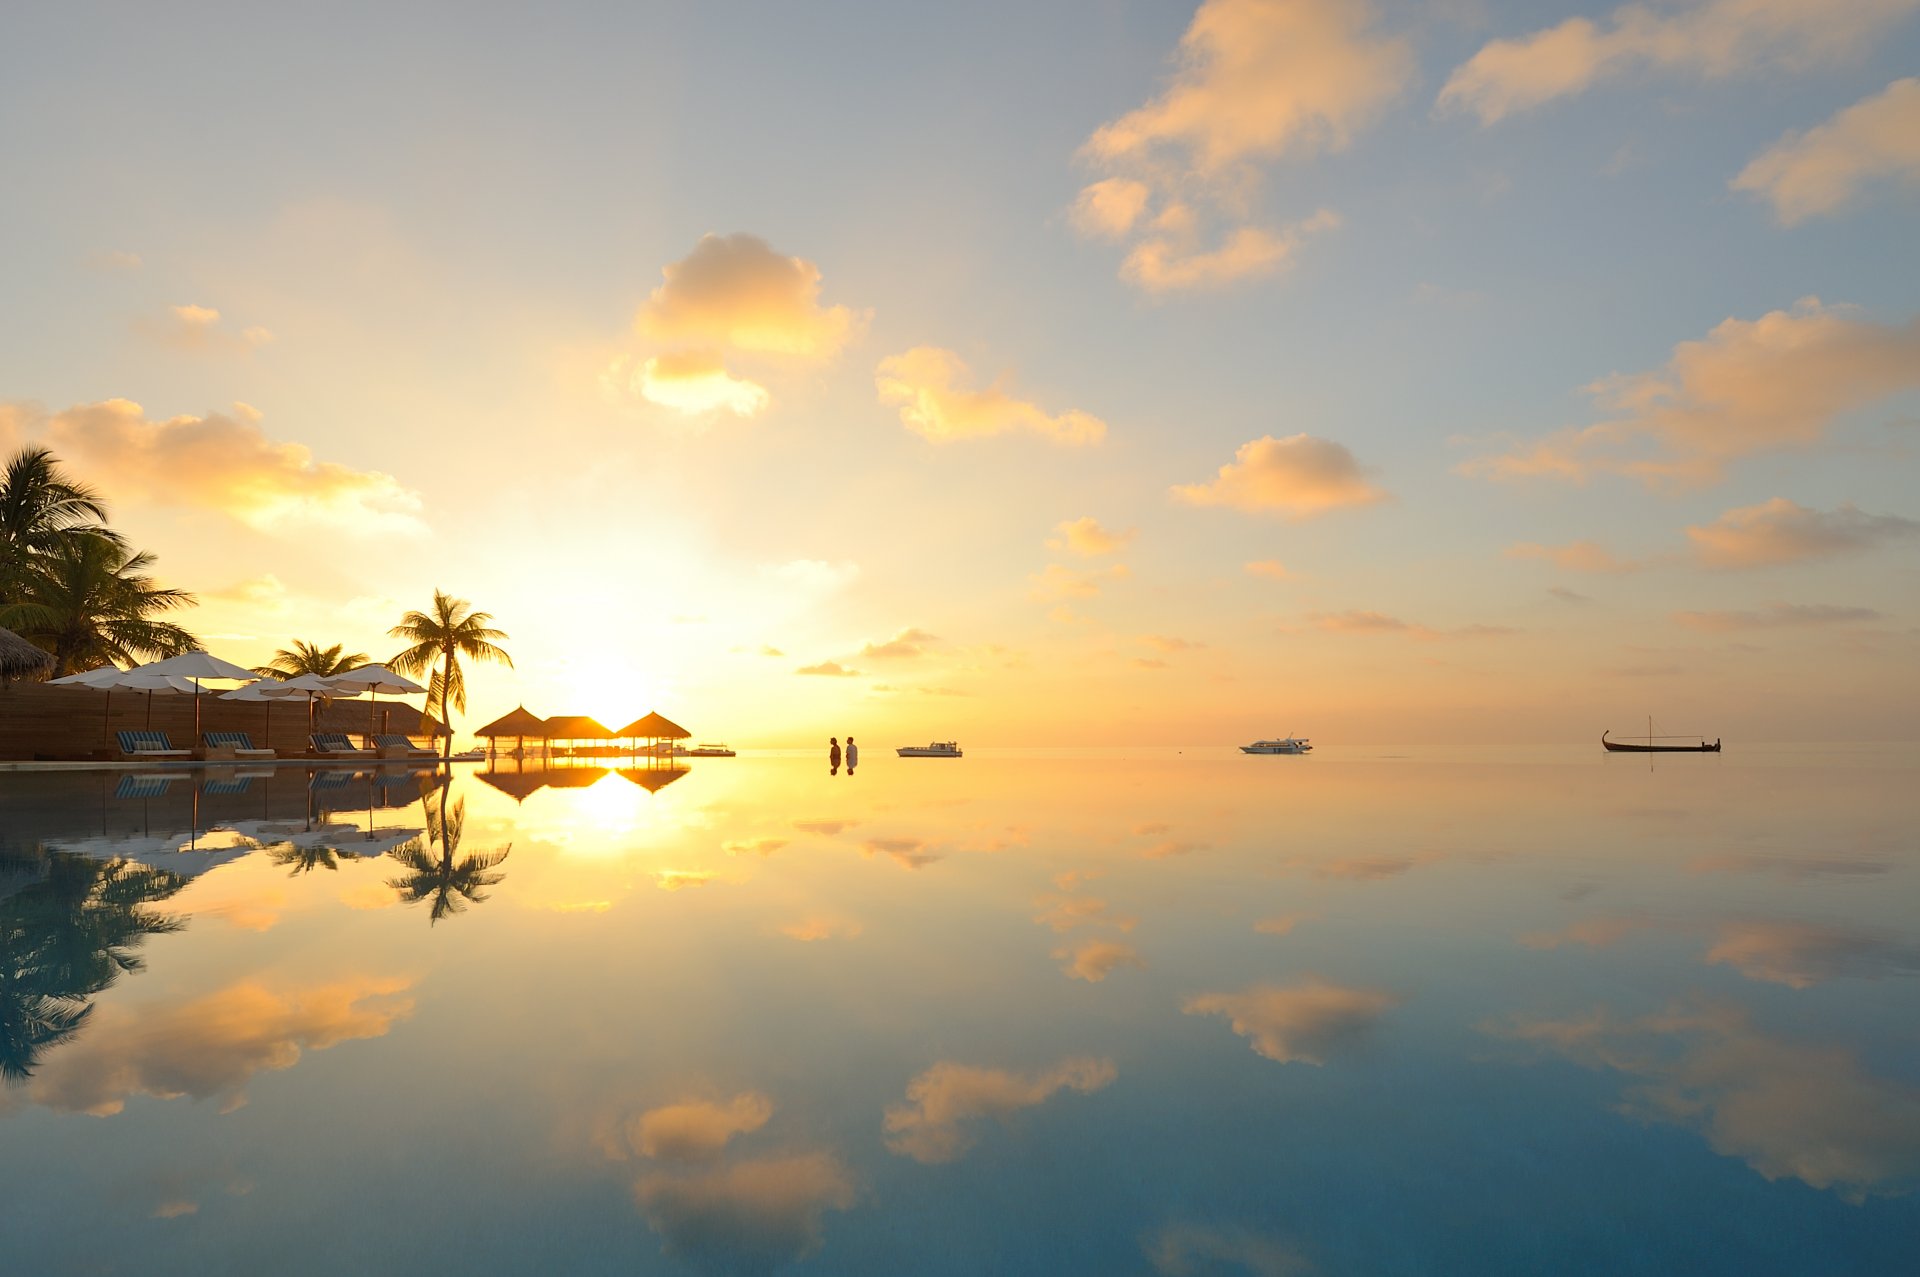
<point>58,723</point>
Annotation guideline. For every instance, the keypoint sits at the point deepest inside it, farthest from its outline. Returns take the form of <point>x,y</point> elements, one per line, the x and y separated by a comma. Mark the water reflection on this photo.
<point>1098,1013</point>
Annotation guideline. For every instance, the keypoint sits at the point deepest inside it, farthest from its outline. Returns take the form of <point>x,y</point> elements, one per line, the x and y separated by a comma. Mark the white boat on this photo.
<point>1287,745</point>
<point>705,751</point>
<point>939,749</point>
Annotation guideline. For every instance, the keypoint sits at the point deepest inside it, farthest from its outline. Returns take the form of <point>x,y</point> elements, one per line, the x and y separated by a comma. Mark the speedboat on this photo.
<point>939,749</point>
<point>705,751</point>
<point>1288,745</point>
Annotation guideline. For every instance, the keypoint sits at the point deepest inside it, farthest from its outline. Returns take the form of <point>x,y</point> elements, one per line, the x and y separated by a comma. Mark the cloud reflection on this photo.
<point>695,1130</point>
<point>1188,1250</point>
<point>751,1216</point>
<point>929,1126</point>
<point>1801,955</point>
<point>1301,1023</point>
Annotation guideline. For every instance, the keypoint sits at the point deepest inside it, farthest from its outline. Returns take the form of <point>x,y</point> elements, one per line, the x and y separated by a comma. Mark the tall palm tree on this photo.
<point>450,885</point>
<point>441,637</point>
<point>39,505</point>
<point>310,658</point>
<point>88,599</point>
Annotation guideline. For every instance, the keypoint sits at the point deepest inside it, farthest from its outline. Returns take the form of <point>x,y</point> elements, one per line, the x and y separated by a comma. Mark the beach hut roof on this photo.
<point>654,727</point>
<point>518,723</point>
<point>653,779</point>
<point>21,659</point>
<point>518,786</point>
<point>576,727</point>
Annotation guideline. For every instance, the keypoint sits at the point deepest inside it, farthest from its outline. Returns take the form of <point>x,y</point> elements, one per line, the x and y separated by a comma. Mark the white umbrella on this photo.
<point>311,686</point>
<point>375,679</point>
<point>199,666</point>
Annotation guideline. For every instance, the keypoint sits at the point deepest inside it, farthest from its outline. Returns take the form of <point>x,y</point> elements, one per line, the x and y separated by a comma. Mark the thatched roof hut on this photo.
<point>653,727</point>
<point>576,727</point>
<point>517,785</point>
<point>519,724</point>
<point>21,659</point>
<point>653,779</point>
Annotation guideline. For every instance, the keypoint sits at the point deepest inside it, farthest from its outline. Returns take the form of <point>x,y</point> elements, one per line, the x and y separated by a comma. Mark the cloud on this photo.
<point>1364,622</point>
<point>753,846</point>
<point>814,575</point>
<point>266,593</point>
<point>1167,264</point>
<point>691,382</point>
<point>1750,386</point>
<point>906,645</point>
<point>925,383</point>
<point>736,292</point>
<point>1788,1109</point>
<point>1714,39</point>
<point>751,1216</point>
<point>1565,595</point>
<point>198,328</point>
<point>1594,933</point>
<point>1779,531</point>
<point>1282,924</point>
<point>682,879</point>
<point>1820,171</point>
<point>210,1047</point>
<point>911,853</point>
<point>1269,569</point>
<point>1301,1023</point>
<point>1778,616</point>
<point>1065,913</point>
<point>1801,955</point>
<point>828,669</point>
<point>810,929</point>
<point>1086,538</point>
<point>1095,960</point>
<point>227,464</point>
<point>697,1130</point>
<point>1058,581</point>
<point>1172,643</point>
<point>1576,556</point>
<point>1189,1250</point>
<point>1254,81</point>
<point>1300,476</point>
<point>928,1126</point>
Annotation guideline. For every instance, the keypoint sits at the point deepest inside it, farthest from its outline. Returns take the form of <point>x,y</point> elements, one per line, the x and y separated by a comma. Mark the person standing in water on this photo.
<point>853,755</point>
<point>833,755</point>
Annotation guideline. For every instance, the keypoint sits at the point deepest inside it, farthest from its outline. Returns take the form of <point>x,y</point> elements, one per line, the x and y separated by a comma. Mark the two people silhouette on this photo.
<point>833,755</point>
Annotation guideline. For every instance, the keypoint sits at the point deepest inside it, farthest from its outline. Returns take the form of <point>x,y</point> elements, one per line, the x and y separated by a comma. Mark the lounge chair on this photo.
<point>337,745</point>
<point>150,745</point>
<point>232,745</point>
<point>395,745</point>
<point>138,786</point>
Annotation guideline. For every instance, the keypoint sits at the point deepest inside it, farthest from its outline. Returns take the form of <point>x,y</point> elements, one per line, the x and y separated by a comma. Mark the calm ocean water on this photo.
<point>1373,1011</point>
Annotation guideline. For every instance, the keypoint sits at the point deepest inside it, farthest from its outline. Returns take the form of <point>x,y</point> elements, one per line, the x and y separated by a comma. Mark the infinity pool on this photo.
<point>1364,1012</point>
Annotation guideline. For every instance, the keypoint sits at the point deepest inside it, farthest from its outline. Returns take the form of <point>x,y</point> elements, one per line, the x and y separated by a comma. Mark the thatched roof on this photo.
<point>653,727</point>
<point>653,779</point>
<point>519,723</point>
<point>518,786</point>
<point>576,727</point>
<point>573,777</point>
<point>21,659</point>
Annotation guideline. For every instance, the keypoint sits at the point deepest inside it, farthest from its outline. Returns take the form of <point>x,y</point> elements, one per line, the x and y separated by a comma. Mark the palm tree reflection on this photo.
<point>305,857</point>
<point>450,885</point>
<point>66,937</point>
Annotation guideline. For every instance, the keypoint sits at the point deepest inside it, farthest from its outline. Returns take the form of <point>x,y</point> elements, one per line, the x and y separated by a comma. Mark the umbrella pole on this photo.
<point>106,721</point>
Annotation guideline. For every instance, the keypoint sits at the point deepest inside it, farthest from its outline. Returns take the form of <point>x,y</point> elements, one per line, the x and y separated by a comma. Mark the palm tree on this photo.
<point>39,505</point>
<point>66,937</point>
<point>450,886</point>
<point>88,599</point>
<point>310,658</point>
<point>441,637</point>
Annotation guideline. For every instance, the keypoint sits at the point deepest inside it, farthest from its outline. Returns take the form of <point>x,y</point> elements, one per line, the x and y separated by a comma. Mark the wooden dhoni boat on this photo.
<point>1650,745</point>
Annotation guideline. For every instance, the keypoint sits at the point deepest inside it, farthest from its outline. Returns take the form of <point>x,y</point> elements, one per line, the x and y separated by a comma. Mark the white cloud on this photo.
<point>1088,539</point>
<point>1780,531</point>
<point>1299,476</point>
<point>692,382</point>
<point>906,645</point>
<point>735,291</point>
<point>815,575</point>
<point>927,384</point>
<point>1254,81</point>
<point>227,464</point>
<point>930,1125</point>
<point>1820,171</point>
<point>1750,386</point>
<point>1713,38</point>
<point>1301,1023</point>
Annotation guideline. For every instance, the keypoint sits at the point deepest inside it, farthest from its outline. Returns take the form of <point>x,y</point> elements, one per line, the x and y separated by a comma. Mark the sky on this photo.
<point>1094,372</point>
